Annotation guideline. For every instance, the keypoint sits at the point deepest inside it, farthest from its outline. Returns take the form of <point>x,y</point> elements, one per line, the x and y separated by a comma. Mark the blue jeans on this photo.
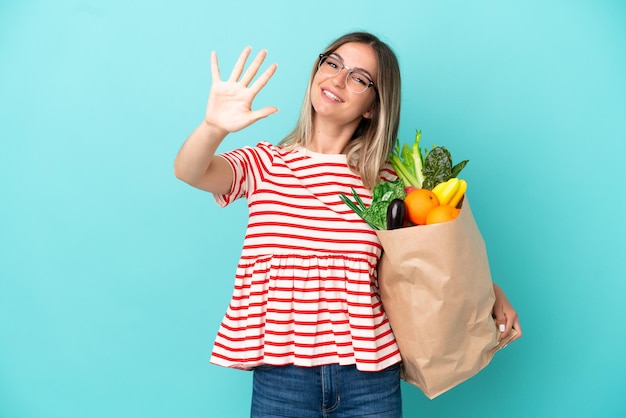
<point>325,392</point>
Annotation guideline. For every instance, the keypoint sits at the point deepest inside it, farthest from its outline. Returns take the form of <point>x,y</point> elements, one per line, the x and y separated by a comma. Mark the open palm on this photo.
<point>230,102</point>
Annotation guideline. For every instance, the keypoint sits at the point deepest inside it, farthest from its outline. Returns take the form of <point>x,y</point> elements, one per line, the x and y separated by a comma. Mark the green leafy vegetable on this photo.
<point>424,169</point>
<point>376,214</point>
<point>438,167</point>
<point>415,168</point>
<point>407,162</point>
<point>458,167</point>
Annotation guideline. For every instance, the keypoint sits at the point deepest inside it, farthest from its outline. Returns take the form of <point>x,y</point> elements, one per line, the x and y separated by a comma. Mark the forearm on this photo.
<point>197,153</point>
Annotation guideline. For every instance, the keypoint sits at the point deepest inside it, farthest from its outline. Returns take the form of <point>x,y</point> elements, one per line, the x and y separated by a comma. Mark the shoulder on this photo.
<point>270,150</point>
<point>263,151</point>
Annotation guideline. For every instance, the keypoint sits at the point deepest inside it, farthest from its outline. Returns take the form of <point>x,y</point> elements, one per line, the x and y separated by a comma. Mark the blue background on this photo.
<point>114,276</point>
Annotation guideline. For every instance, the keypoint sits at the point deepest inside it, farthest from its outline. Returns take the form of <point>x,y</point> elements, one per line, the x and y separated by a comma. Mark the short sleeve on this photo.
<point>248,165</point>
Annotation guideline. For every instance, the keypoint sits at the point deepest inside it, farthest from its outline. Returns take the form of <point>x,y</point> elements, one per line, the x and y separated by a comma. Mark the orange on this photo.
<point>442,213</point>
<point>418,203</point>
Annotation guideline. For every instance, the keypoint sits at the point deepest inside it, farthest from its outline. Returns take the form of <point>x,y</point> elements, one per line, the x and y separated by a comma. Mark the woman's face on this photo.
<point>330,96</point>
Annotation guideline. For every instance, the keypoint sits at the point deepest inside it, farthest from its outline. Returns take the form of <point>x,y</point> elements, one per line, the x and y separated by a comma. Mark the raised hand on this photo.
<point>229,107</point>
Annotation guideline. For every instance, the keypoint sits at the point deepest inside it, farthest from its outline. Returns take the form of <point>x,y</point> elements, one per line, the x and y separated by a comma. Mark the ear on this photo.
<point>369,114</point>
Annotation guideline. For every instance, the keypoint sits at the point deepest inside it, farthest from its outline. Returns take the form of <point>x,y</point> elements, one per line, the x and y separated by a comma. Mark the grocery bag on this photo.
<point>436,288</point>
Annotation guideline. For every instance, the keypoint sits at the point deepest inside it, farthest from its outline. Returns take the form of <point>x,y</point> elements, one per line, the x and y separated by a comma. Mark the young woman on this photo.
<point>305,314</point>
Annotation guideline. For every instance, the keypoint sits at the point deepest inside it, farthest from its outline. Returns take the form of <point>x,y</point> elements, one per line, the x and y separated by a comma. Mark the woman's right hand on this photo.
<point>229,108</point>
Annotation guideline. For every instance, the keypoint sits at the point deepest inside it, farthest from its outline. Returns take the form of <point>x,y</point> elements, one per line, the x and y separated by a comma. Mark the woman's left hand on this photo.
<point>505,316</point>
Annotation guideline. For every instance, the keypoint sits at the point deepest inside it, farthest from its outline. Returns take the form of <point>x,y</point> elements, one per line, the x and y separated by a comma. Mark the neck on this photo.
<point>330,138</point>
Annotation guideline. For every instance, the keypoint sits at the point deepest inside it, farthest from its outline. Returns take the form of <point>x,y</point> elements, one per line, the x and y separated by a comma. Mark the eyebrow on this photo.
<point>353,68</point>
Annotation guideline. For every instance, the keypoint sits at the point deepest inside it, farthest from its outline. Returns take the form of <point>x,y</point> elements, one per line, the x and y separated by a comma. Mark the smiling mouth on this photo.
<point>331,96</point>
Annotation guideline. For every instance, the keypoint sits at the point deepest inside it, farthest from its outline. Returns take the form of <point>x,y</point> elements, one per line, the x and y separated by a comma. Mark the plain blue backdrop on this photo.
<point>114,276</point>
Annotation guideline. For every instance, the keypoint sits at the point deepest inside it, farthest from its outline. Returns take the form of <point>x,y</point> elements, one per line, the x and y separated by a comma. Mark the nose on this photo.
<point>339,79</point>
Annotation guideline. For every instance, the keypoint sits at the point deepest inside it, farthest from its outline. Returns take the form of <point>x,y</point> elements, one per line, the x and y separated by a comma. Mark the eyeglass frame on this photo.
<point>323,57</point>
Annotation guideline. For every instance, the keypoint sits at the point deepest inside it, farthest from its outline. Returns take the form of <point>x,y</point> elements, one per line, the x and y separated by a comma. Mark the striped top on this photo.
<point>305,288</point>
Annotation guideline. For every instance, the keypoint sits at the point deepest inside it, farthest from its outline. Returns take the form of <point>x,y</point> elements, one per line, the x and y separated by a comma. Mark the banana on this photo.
<point>447,190</point>
<point>438,188</point>
<point>459,194</point>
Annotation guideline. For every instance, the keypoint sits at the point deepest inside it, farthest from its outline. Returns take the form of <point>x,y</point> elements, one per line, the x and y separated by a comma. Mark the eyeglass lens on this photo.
<point>356,80</point>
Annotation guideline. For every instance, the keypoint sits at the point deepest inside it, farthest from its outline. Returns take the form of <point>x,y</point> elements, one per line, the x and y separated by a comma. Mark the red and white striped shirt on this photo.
<point>305,288</point>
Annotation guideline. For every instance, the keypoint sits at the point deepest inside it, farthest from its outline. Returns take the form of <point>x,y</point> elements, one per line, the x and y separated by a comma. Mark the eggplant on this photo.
<point>396,213</point>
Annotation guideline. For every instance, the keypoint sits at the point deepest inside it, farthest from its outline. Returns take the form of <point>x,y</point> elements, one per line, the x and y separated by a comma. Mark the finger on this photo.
<point>215,69</point>
<point>511,332</point>
<point>239,65</point>
<point>263,79</point>
<point>263,112</point>
<point>254,67</point>
<point>518,328</point>
<point>500,320</point>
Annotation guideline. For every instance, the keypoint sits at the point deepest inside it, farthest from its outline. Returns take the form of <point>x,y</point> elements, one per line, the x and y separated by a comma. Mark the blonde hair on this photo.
<point>374,139</point>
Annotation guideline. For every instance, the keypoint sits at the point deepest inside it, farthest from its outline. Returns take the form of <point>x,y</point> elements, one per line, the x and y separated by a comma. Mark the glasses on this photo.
<point>356,80</point>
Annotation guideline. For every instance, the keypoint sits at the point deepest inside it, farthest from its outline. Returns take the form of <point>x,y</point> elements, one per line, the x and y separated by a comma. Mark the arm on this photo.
<point>228,110</point>
<point>504,314</point>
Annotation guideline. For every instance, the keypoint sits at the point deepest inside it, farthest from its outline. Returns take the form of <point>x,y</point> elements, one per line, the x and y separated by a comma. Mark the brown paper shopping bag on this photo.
<point>436,288</point>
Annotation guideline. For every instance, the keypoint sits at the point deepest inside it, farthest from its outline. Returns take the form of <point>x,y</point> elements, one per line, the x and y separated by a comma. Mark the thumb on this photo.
<point>500,319</point>
<point>263,112</point>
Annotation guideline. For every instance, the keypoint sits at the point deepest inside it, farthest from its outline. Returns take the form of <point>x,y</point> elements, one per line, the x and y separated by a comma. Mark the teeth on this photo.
<point>331,96</point>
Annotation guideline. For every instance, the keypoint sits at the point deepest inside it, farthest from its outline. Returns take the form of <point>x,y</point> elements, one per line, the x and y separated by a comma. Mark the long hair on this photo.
<point>374,139</point>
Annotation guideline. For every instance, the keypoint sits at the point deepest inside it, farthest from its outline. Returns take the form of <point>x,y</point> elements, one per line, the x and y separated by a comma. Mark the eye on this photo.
<point>333,63</point>
<point>360,78</point>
